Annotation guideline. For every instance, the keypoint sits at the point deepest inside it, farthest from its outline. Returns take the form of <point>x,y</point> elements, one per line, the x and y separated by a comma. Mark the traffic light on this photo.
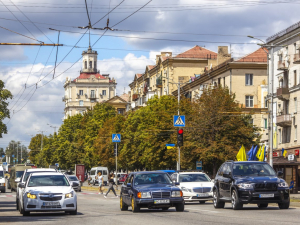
<point>116,149</point>
<point>180,137</point>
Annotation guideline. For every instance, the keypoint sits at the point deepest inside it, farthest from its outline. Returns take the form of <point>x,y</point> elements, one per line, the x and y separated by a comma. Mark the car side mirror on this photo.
<point>128,184</point>
<point>227,175</point>
<point>176,183</point>
<point>280,174</point>
<point>74,184</point>
<point>21,185</point>
<point>213,180</point>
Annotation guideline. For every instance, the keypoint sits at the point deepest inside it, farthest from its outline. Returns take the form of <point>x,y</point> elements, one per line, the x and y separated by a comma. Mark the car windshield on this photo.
<point>1,174</point>
<point>28,173</point>
<point>73,178</point>
<point>48,180</point>
<point>193,178</point>
<point>19,174</point>
<point>255,169</point>
<point>152,178</point>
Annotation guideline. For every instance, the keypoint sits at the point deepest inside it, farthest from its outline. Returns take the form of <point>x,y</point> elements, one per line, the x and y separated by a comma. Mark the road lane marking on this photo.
<point>202,210</point>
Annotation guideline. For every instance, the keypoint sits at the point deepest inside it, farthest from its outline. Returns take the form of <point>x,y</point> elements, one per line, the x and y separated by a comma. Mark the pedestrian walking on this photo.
<point>111,185</point>
<point>100,182</point>
<point>89,179</point>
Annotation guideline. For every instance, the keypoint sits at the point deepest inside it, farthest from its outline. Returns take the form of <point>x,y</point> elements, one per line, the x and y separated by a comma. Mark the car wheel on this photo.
<point>135,208</point>
<point>20,208</point>
<point>180,207</point>
<point>74,212</point>
<point>235,201</point>
<point>201,202</point>
<point>284,205</point>
<point>216,200</point>
<point>123,206</point>
<point>165,208</point>
<point>262,205</point>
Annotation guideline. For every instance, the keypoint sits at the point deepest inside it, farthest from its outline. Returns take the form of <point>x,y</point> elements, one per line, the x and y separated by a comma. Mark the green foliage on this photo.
<point>15,148</point>
<point>4,111</point>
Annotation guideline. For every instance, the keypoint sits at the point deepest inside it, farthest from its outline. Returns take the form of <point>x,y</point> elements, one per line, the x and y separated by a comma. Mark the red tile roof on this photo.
<point>125,97</point>
<point>197,52</point>
<point>87,76</point>
<point>258,56</point>
<point>150,67</point>
<point>138,75</point>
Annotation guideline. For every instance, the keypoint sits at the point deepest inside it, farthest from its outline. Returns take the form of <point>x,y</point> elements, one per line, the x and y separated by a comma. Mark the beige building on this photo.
<point>162,78</point>
<point>89,88</point>
<point>246,77</point>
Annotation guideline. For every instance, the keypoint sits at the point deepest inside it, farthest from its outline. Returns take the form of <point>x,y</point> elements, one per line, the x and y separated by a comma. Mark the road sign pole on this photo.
<point>117,163</point>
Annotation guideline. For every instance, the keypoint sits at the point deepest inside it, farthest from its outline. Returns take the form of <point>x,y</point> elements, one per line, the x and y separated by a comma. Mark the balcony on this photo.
<point>135,97</point>
<point>282,65</point>
<point>159,82</point>
<point>283,93</point>
<point>92,96</point>
<point>284,120</point>
<point>297,58</point>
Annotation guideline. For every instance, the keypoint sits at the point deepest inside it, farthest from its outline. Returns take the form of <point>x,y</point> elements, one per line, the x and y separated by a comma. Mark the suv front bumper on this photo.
<point>251,196</point>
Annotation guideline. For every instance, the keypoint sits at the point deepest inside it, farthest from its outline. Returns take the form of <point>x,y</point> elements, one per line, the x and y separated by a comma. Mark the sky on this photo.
<point>140,33</point>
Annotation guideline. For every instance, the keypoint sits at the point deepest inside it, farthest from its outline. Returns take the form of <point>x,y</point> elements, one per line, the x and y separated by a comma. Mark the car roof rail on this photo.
<point>229,161</point>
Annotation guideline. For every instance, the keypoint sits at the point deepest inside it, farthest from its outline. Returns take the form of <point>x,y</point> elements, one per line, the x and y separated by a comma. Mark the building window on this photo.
<point>81,103</point>
<point>90,64</point>
<point>249,79</point>
<point>80,92</point>
<point>223,81</point>
<point>280,138</point>
<point>93,94</point>
<point>286,134</point>
<point>295,138</point>
<point>295,104</point>
<point>251,121</point>
<point>95,65</point>
<point>295,77</point>
<point>266,102</point>
<point>266,123</point>
<point>103,92</point>
<point>121,111</point>
<point>219,81</point>
<point>81,112</point>
<point>85,65</point>
<point>249,101</point>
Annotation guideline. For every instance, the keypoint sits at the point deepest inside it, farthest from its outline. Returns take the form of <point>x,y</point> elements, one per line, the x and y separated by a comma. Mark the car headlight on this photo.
<point>69,195</point>
<point>186,189</point>
<point>245,186</point>
<point>283,185</point>
<point>31,196</point>
<point>176,194</point>
<point>143,195</point>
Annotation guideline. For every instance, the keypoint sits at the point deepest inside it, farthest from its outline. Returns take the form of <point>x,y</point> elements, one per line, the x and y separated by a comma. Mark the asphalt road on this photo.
<point>95,209</point>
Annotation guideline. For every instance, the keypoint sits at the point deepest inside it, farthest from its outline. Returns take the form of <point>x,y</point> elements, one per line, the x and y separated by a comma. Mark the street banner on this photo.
<point>79,171</point>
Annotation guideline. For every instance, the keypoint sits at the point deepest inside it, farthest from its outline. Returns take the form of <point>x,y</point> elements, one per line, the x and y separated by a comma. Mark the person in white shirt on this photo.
<point>100,182</point>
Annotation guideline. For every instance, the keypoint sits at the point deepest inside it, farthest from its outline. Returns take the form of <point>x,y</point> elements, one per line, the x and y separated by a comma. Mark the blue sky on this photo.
<point>208,23</point>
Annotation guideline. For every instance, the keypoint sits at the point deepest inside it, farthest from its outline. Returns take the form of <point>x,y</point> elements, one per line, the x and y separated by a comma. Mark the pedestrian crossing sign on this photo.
<point>116,137</point>
<point>179,121</point>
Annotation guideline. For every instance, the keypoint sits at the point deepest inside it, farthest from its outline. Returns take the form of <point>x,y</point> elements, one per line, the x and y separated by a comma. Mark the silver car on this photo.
<point>75,182</point>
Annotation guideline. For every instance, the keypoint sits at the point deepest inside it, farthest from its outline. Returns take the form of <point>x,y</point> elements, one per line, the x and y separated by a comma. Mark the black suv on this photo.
<point>249,182</point>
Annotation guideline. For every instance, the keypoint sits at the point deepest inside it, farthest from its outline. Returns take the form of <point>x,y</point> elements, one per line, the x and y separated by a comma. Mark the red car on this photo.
<point>122,179</point>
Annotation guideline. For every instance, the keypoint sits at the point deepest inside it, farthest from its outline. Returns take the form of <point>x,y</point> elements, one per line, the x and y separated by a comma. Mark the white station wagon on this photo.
<point>48,191</point>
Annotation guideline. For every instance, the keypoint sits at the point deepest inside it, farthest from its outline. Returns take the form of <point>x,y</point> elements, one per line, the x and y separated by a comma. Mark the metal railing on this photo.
<point>283,32</point>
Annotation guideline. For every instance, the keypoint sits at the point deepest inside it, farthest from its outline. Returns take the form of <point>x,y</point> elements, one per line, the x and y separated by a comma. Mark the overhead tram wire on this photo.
<point>20,34</point>
<point>32,22</point>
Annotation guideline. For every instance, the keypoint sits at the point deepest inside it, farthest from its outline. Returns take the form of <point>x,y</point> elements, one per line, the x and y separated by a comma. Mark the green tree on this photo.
<point>4,111</point>
<point>219,128</point>
<point>15,148</point>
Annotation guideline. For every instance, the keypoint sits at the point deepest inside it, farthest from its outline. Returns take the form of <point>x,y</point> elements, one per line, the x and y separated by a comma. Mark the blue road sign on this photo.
<point>199,165</point>
<point>57,164</point>
<point>4,163</point>
<point>170,145</point>
<point>116,137</point>
<point>13,156</point>
<point>179,121</point>
<point>17,160</point>
<point>13,160</point>
<point>3,156</point>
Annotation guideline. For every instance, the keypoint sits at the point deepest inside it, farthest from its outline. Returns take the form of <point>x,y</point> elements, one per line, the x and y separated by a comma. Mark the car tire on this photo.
<point>180,207</point>
<point>74,212</point>
<point>201,202</point>
<point>20,208</point>
<point>262,205</point>
<point>284,205</point>
<point>135,208</point>
<point>216,201</point>
<point>165,208</point>
<point>235,202</point>
<point>123,206</point>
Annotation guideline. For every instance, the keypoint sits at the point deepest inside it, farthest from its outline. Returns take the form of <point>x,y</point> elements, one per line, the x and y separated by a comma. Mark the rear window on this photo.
<point>104,172</point>
<point>93,172</point>
<point>73,178</point>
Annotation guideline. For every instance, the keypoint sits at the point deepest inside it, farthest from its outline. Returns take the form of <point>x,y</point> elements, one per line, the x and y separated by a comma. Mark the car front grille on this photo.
<point>202,189</point>
<point>51,196</point>
<point>162,194</point>
<point>51,207</point>
<point>265,187</point>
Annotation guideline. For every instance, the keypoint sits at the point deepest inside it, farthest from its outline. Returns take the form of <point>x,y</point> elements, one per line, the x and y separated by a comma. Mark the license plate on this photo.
<point>202,195</point>
<point>50,203</point>
<point>266,195</point>
<point>164,201</point>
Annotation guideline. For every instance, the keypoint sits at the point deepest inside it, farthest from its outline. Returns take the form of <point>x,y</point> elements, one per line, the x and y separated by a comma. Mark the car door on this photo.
<point>219,180</point>
<point>126,190</point>
<point>227,180</point>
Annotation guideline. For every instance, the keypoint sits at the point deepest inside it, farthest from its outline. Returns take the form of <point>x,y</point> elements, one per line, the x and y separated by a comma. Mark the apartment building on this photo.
<point>163,77</point>
<point>89,88</point>
<point>246,77</point>
<point>285,74</point>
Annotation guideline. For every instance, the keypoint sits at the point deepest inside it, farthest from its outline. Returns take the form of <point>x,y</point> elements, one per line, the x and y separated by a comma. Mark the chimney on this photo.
<point>223,54</point>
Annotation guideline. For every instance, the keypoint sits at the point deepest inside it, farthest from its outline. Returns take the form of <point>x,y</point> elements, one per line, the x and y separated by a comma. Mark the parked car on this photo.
<point>249,182</point>
<point>195,186</point>
<point>24,178</point>
<point>48,191</point>
<point>2,180</point>
<point>116,179</point>
<point>75,183</point>
<point>94,173</point>
<point>123,178</point>
<point>150,190</point>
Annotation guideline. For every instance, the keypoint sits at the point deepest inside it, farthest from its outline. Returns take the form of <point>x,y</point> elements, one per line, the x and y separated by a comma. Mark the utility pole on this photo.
<point>271,109</point>
<point>17,152</point>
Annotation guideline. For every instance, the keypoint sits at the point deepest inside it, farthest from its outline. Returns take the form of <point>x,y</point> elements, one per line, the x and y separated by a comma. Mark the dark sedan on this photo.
<point>152,190</point>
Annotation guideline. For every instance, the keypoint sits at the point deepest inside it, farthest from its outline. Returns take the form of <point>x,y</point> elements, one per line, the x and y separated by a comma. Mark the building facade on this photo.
<point>246,77</point>
<point>89,88</point>
<point>163,77</point>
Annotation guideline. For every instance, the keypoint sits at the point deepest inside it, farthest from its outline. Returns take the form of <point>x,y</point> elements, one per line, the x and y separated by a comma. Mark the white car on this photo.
<point>24,178</point>
<point>47,192</point>
<point>195,186</point>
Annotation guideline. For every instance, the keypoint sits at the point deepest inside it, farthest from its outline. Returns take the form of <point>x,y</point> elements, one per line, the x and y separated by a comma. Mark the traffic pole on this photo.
<point>117,163</point>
